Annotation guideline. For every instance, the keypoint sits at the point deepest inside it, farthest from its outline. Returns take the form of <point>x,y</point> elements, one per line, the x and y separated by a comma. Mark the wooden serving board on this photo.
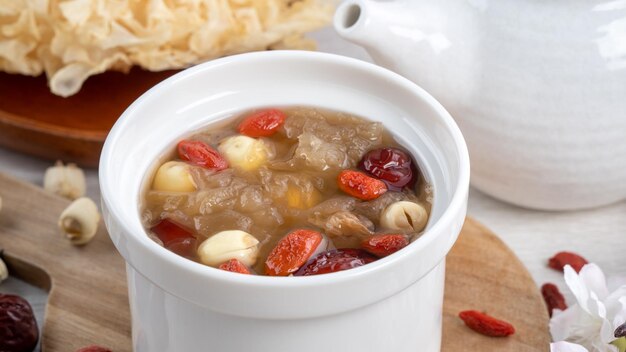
<point>88,302</point>
<point>37,122</point>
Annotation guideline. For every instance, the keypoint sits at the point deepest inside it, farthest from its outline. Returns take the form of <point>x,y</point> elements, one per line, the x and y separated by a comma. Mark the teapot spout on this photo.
<point>369,24</point>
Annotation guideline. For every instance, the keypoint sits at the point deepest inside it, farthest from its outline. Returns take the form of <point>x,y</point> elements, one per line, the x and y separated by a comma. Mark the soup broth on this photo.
<point>291,191</point>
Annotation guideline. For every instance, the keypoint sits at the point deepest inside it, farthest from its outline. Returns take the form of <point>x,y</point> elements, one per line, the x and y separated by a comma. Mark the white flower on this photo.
<point>592,321</point>
<point>564,346</point>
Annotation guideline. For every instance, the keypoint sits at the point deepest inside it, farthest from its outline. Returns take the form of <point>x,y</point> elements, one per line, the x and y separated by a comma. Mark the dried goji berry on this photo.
<point>18,327</point>
<point>384,245</point>
<point>359,185</point>
<point>235,266</point>
<point>262,123</point>
<point>335,260</point>
<point>485,324</point>
<point>620,331</point>
<point>553,297</point>
<point>201,154</point>
<point>93,348</point>
<point>561,259</point>
<point>292,251</point>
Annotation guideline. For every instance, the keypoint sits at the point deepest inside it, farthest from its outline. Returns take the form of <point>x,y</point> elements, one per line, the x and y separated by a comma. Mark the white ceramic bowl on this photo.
<point>392,305</point>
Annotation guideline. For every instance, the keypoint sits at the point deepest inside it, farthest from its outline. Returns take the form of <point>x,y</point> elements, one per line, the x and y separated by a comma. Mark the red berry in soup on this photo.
<point>184,247</point>
<point>390,165</point>
<point>262,123</point>
<point>200,154</point>
<point>276,191</point>
<point>175,238</point>
<point>168,232</point>
<point>292,252</point>
<point>359,185</point>
<point>335,260</point>
<point>384,245</point>
<point>235,266</point>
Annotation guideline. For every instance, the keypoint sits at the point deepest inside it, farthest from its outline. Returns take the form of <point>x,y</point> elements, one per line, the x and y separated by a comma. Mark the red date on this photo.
<point>175,238</point>
<point>185,247</point>
<point>390,165</point>
<point>335,260</point>
<point>18,327</point>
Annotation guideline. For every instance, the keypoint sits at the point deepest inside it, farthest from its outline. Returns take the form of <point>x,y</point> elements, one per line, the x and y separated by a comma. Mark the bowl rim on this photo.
<point>457,203</point>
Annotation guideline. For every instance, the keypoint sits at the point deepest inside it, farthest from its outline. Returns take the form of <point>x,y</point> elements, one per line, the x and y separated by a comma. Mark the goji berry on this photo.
<point>292,251</point>
<point>262,123</point>
<point>18,327</point>
<point>620,331</point>
<point>485,324</point>
<point>561,259</point>
<point>335,260</point>
<point>391,165</point>
<point>359,185</point>
<point>201,154</point>
<point>235,266</point>
<point>553,297</point>
<point>384,245</point>
<point>93,348</point>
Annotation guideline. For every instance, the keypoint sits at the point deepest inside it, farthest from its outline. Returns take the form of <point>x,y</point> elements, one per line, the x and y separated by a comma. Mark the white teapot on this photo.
<point>537,87</point>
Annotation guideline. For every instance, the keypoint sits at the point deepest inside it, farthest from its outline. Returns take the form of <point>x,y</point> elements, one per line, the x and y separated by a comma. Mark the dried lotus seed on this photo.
<point>244,152</point>
<point>79,221</point>
<point>226,245</point>
<point>65,180</point>
<point>404,215</point>
<point>173,176</point>
<point>4,271</point>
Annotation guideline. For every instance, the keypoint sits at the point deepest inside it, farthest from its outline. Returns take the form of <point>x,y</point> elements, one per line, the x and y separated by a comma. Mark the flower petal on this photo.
<point>594,279</point>
<point>563,323</point>
<point>563,346</point>
<point>616,307</point>
<point>616,281</point>
<point>577,287</point>
<point>599,346</point>
<point>596,306</point>
<point>589,287</point>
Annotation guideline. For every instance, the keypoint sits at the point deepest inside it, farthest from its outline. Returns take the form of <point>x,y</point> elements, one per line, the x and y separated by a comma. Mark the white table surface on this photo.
<point>597,234</point>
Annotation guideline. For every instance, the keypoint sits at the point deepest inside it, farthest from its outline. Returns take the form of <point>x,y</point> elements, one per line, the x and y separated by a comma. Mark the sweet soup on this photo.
<point>295,191</point>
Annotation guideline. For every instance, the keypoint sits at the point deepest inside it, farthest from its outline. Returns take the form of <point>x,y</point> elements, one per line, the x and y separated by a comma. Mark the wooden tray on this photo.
<point>37,122</point>
<point>88,302</point>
